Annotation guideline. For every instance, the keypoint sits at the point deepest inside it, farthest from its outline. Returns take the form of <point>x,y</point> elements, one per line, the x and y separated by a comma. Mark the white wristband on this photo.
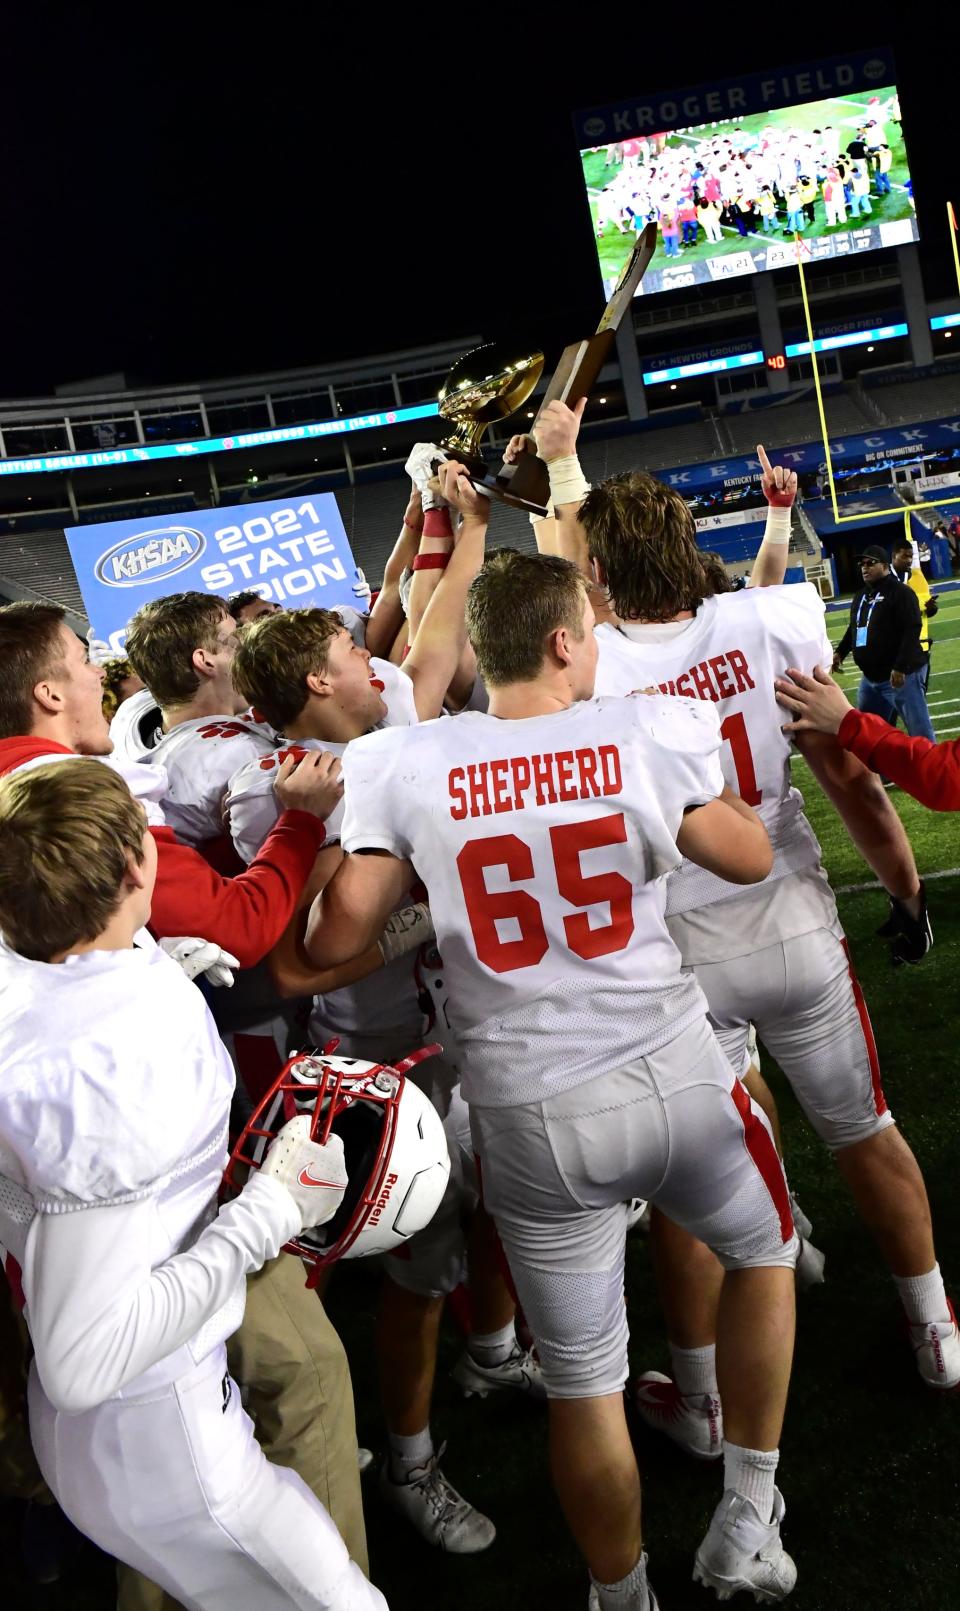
<point>550,514</point>
<point>778,525</point>
<point>568,484</point>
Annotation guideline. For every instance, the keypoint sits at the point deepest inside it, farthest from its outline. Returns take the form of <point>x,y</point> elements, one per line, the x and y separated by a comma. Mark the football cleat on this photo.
<point>936,1347</point>
<point>593,1604</point>
<point>742,1552</point>
<point>432,1505</point>
<point>695,1422</point>
<point>520,1373</point>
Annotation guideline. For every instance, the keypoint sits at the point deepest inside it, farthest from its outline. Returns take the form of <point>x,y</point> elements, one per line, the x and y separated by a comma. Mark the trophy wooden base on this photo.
<point>524,485</point>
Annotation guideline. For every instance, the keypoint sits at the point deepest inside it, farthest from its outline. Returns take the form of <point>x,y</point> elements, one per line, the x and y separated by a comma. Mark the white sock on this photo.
<point>695,1370</point>
<point>750,1472</point>
<point>492,1347</point>
<point>630,1594</point>
<point>923,1297</point>
<point>409,1454</point>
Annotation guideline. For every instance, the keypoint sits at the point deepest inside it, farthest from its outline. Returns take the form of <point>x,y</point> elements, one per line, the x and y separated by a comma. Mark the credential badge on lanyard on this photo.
<point>862,630</point>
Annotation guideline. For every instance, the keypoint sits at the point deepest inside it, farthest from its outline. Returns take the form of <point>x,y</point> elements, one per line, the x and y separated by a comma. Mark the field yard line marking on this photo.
<point>858,889</point>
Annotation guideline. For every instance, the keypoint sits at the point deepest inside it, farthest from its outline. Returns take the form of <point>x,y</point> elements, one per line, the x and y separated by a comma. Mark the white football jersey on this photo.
<point>114,1088</point>
<point>251,807</point>
<point>728,655</point>
<point>385,1005</point>
<point>200,757</point>
<point>543,843</point>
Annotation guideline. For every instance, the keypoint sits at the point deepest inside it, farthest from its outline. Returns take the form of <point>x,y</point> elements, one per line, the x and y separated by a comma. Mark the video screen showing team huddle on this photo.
<point>728,198</point>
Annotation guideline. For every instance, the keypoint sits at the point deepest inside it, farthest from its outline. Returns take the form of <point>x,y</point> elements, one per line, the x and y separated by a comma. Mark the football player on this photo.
<point>324,692</point>
<point>777,955</point>
<point>112,1145</point>
<point>542,830</point>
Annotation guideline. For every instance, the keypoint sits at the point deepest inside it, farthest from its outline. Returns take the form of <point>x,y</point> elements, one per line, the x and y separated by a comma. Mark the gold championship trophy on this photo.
<point>491,383</point>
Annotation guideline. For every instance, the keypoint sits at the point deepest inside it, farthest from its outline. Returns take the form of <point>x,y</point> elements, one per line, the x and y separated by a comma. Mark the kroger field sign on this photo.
<point>292,553</point>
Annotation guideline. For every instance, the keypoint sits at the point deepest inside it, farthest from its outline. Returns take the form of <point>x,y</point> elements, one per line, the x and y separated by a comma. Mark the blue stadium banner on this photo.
<point>295,553</point>
<point>730,98</point>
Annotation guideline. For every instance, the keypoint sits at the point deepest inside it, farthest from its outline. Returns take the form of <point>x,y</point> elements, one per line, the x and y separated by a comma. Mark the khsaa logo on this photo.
<point>874,68</point>
<point>595,127</point>
<point>150,556</point>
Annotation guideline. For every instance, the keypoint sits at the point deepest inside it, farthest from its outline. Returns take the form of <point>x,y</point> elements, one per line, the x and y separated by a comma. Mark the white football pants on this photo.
<point>175,1485</point>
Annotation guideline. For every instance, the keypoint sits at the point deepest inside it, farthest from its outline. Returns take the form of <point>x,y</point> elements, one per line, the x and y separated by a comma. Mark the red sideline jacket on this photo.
<point>930,772</point>
<point>245,915</point>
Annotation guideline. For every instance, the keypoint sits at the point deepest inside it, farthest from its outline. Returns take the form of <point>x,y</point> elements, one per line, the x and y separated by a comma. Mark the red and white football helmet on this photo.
<point>394,1147</point>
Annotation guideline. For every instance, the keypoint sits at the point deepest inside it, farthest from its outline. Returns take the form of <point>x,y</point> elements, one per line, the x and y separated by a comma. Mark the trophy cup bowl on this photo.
<point>487,384</point>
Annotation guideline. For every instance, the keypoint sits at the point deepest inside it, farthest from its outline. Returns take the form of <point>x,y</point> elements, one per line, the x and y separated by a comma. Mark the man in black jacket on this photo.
<point>884,634</point>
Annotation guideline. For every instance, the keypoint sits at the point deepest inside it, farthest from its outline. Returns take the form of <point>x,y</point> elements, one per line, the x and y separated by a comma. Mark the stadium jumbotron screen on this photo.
<point>728,194</point>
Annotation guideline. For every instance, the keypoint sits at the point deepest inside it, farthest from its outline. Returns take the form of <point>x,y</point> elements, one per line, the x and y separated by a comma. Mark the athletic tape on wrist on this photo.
<point>778,525</point>
<point>568,484</point>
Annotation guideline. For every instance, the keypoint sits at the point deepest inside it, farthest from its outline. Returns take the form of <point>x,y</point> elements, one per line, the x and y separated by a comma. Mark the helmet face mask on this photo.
<point>394,1147</point>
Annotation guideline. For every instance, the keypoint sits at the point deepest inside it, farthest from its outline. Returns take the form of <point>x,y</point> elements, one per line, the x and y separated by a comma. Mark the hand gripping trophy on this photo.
<point>490,383</point>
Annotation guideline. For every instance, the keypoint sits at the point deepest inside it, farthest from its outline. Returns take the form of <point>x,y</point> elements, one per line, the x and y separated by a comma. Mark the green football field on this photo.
<point>614,248</point>
<point>870,1468</point>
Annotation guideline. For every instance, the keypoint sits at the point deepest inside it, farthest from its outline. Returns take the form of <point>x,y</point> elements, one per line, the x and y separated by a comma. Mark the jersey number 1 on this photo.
<point>734,730</point>
<point>567,843</point>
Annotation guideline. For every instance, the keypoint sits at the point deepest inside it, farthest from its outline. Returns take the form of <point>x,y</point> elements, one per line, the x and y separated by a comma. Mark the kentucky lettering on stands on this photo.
<point>291,553</point>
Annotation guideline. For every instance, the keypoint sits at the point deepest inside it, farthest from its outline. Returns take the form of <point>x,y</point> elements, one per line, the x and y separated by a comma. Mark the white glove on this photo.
<point>314,1175</point>
<point>202,956</point>
<point>408,927</point>
<point>419,468</point>
<point>99,651</point>
<point>363,591</point>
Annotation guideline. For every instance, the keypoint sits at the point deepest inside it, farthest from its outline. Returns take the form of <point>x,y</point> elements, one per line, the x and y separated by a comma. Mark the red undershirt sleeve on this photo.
<point>246,915</point>
<point>930,772</point>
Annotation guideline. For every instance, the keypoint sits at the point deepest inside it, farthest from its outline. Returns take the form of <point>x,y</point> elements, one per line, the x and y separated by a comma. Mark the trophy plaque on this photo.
<point>491,383</point>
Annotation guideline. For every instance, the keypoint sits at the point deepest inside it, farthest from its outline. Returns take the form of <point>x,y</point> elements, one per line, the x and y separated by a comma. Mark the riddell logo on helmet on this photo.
<point>383,1199</point>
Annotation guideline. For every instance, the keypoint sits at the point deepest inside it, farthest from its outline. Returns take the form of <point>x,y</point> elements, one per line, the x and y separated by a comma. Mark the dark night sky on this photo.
<point>270,190</point>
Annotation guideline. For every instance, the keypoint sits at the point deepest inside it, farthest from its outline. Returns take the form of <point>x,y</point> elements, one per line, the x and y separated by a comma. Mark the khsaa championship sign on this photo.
<point>293,554</point>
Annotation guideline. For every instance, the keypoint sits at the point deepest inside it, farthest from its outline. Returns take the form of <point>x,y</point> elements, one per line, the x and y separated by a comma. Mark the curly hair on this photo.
<point>115,674</point>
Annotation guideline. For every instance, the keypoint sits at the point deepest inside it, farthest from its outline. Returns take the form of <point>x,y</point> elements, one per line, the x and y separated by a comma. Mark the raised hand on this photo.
<point>458,490</point>
<point>779,485</point>
<point>522,443</point>
<point>557,429</point>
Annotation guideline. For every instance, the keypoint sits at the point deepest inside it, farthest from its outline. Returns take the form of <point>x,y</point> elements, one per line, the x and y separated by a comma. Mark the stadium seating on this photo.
<point>931,398</point>
<point>40,567</point>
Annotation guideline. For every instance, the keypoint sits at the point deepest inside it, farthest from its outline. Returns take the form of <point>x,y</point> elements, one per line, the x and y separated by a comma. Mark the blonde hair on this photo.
<point>276,654</point>
<point>115,674</point>
<point>67,831</point>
